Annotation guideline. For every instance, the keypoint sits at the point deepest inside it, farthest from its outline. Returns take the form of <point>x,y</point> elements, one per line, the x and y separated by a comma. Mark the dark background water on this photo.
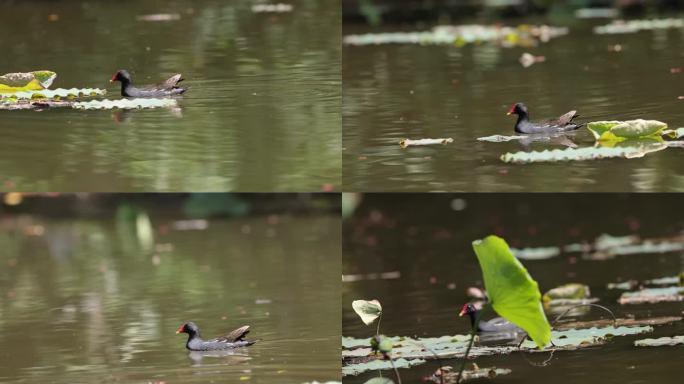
<point>262,112</point>
<point>93,288</point>
<point>393,92</point>
<point>427,239</point>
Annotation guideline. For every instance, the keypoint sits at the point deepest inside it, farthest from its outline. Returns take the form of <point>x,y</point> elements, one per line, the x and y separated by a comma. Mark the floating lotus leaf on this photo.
<point>22,79</point>
<point>581,154</point>
<point>632,26</point>
<point>539,253</point>
<point>368,311</point>
<point>461,35</point>
<point>30,86</point>
<point>59,93</point>
<point>660,342</point>
<point>653,295</point>
<point>126,104</point>
<point>374,365</point>
<point>621,130</point>
<point>447,347</point>
<point>512,292</point>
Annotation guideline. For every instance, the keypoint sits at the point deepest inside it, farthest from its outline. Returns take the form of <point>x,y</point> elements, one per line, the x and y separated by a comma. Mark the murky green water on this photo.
<point>262,112</point>
<point>429,243</point>
<point>412,91</point>
<point>99,300</point>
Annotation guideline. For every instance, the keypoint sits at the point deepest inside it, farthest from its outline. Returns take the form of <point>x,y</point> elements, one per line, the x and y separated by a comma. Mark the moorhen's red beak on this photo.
<point>463,312</point>
<point>180,329</point>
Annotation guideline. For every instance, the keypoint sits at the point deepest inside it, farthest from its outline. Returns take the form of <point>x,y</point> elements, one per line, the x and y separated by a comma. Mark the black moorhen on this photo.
<point>167,88</point>
<point>524,125</point>
<point>497,324</point>
<point>234,339</point>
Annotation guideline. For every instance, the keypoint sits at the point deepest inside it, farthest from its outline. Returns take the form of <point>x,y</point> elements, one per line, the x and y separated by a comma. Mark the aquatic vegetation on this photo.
<point>367,310</point>
<point>538,253</point>
<point>55,94</point>
<point>374,365</point>
<point>446,374</point>
<point>660,342</point>
<point>632,26</point>
<point>408,142</point>
<point>138,103</point>
<point>623,130</point>
<point>652,295</point>
<point>460,35</point>
<point>420,350</point>
<point>581,154</point>
<point>511,291</point>
<point>23,79</point>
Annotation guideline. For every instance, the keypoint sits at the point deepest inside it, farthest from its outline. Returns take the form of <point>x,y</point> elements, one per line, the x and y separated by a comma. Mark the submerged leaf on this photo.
<point>512,292</point>
<point>367,310</point>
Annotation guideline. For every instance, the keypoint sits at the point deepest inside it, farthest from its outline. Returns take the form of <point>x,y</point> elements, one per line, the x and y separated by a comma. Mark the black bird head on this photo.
<point>121,75</point>
<point>190,328</point>
<point>518,109</point>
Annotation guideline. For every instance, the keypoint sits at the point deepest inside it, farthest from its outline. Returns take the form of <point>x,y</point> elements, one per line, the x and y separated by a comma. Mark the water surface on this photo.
<point>428,241</point>
<point>99,300</point>
<point>393,92</point>
<point>262,112</point>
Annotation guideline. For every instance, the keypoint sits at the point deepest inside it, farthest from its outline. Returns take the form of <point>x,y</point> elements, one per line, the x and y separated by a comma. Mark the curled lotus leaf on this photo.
<point>620,130</point>
<point>21,79</point>
<point>368,310</point>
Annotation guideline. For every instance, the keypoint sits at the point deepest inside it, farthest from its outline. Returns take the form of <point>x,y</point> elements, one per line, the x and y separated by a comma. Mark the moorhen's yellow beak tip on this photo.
<point>177,332</point>
<point>508,113</point>
<point>111,81</point>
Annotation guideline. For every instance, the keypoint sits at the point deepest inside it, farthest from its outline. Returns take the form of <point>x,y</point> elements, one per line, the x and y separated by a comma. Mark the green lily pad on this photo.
<point>660,342</point>
<point>512,292</point>
<point>622,130</point>
<point>367,310</point>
